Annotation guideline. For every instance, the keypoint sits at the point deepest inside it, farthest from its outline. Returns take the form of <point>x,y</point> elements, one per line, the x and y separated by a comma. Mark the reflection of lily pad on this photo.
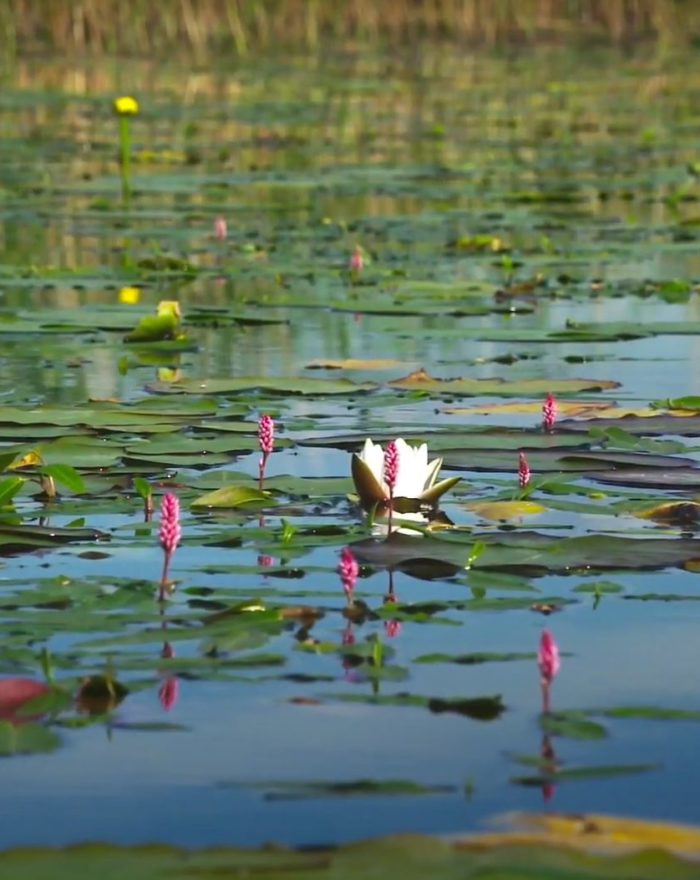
<point>527,551</point>
<point>286,791</point>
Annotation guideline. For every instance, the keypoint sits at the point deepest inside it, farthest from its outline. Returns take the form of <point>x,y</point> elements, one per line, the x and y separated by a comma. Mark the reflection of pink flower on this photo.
<point>169,692</point>
<point>549,412</point>
<point>523,470</point>
<point>349,571</point>
<point>220,228</point>
<point>548,657</point>
<point>392,628</point>
<point>549,767</point>
<point>348,635</point>
<point>348,662</point>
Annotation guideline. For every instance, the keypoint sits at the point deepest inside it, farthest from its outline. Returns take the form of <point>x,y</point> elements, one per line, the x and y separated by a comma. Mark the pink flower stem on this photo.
<point>167,555</point>
<point>545,683</point>
<point>261,469</point>
<point>391,471</point>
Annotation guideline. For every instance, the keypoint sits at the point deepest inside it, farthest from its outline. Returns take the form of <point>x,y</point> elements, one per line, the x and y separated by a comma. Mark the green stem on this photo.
<point>125,156</point>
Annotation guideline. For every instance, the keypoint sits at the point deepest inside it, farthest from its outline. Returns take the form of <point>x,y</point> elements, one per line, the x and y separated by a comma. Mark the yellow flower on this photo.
<point>126,106</point>
<point>170,307</point>
<point>129,295</point>
<point>168,374</point>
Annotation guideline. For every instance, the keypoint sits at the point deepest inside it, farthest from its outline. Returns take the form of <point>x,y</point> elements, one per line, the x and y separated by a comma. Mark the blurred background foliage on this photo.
<point>244,26</point>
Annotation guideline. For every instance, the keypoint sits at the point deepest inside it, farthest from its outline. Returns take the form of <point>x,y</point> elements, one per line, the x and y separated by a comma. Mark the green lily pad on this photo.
<point>233,496</point>
<point>271,384</point>
<point>500,387</point>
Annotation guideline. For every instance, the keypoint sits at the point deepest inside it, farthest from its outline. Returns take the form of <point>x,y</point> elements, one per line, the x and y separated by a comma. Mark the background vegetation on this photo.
<point>202,26</point>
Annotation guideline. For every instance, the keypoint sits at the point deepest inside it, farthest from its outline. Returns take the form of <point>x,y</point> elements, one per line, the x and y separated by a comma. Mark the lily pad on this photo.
<point>422,381</point>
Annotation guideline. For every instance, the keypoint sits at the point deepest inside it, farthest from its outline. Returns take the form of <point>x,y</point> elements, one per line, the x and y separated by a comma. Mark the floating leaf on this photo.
<point>575,774</point>
<point>499,387</point>
<point>353,364</point>
<point>284,791</point>
<point>474,658</point>
<point>478,708</point>
<point>505,510</point>
<point>233,496</point>
<point>651,713</point>
<point>270,384</point>
<point>572,725</point>
<point>680,513</point>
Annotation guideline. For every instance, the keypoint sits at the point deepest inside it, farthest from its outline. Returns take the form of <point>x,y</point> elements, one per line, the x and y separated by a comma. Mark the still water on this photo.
<point>521,218</point>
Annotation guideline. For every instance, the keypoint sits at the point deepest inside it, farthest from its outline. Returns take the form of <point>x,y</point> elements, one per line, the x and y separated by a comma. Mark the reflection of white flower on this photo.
<point>415,479</point>
<point>381,529</point>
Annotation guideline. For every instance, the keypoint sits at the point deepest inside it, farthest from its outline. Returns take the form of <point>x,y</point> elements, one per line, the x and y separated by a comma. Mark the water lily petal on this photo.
<point>373,456</point>
<point>432,495</point>
<point>411,477</point>
<point>370,490</point>
<point>433,469</point>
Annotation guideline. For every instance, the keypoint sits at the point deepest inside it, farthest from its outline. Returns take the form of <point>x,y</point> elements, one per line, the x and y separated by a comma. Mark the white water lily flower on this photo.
<point>415,478</point>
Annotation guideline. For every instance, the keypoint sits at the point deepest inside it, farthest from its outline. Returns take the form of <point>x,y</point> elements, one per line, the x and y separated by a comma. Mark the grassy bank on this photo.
<point>243,26</point>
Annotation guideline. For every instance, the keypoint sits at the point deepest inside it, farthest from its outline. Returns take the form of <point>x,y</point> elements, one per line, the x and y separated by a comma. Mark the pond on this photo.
<point>420,246</point>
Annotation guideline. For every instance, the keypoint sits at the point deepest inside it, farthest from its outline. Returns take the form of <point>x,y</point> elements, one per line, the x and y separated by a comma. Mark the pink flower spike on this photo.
<point>523,470</point>
<point>266,439</point>
<point>391,465</point>
<point>357,260</point>
<point>169,533</point>
<point>349,571</point>
<point>220,229</point>
<point>549,412</point>
<point>391,474</point>
<point>266,434</point>
<point>548,657</point>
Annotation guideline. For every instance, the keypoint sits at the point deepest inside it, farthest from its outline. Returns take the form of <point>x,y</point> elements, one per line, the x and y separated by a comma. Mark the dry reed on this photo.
<point>202,27</point>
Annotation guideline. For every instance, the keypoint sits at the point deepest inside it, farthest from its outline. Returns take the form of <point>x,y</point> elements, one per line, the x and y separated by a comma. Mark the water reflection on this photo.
<point>169,690</point>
